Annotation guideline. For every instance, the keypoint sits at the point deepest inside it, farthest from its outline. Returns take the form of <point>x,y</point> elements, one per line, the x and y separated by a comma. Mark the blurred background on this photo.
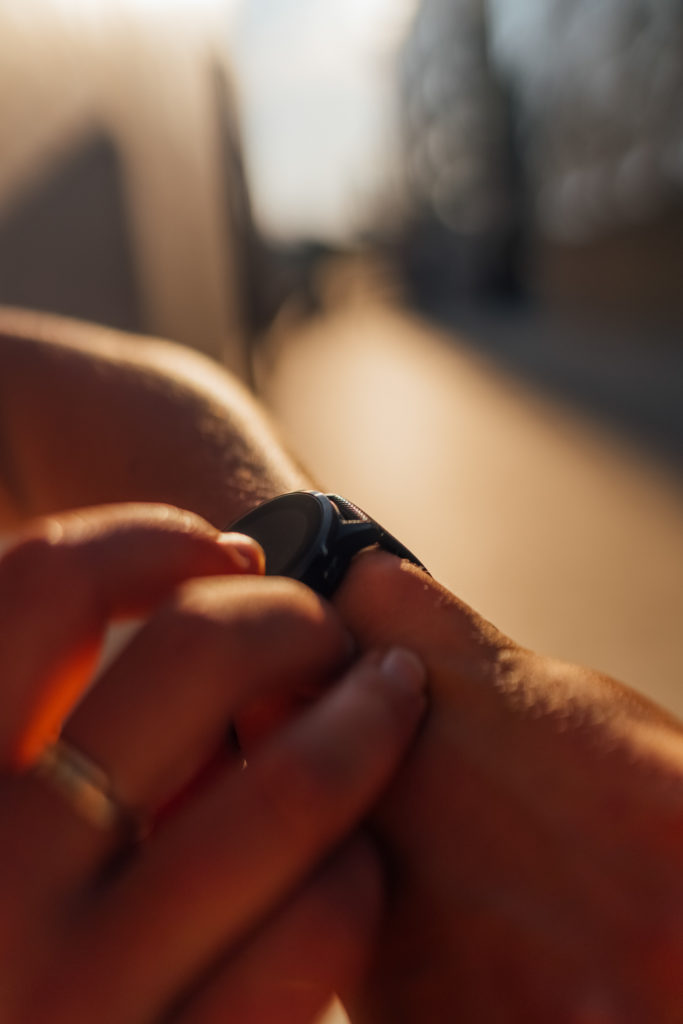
<point>442,239</point>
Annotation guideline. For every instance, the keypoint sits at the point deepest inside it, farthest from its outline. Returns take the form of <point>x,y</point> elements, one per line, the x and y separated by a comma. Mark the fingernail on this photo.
<point>247,554</point>
<point>403,668</point>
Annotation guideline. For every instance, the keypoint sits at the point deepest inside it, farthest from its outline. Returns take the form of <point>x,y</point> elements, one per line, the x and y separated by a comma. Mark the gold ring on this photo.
<point>85,786</point>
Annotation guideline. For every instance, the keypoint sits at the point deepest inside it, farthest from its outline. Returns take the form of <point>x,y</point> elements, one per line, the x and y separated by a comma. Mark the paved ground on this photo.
<point>566,535</point>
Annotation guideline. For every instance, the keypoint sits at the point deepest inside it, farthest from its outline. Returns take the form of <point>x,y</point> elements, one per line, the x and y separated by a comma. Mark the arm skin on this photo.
<point>535,832</point>
<point>90,416</point>
<point>534,835</point>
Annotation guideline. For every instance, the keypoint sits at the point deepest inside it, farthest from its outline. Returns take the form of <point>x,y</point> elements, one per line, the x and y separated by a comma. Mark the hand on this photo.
<point>535,831</point>
<point>244,900</point>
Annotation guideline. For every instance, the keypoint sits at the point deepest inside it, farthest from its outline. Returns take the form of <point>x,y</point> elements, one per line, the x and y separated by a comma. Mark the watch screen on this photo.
<point>284,528</point>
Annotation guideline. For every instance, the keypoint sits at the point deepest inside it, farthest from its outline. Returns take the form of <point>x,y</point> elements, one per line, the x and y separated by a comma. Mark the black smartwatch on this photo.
<point>312,537</point>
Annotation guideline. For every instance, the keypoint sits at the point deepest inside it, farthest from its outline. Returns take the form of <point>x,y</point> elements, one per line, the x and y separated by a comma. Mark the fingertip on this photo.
<point>399,676</point>
<point>404,669</point>
<point>247,554</point>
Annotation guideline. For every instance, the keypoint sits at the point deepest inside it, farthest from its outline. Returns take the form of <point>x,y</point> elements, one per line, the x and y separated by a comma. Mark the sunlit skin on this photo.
<point>254,869</point>
<point>44,720</point>
<point>56,566</point>
<point>533,839</point>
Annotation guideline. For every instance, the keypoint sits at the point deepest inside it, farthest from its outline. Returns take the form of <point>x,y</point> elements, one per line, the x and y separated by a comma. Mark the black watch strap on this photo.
<point>373,533</point>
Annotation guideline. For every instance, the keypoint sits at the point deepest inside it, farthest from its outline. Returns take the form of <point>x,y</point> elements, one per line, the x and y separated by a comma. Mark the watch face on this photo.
<point>312,537</point>
<point>285,528</point>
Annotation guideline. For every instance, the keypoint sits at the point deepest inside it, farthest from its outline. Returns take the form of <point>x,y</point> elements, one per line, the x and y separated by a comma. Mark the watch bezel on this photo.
<point>319,518</point>
<point>330,541</point>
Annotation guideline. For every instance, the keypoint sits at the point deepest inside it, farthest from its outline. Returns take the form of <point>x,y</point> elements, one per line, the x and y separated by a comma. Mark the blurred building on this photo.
<point>122,193</point>
<point>559,121</point>
<point>464,197</point>
<point>598,87</point>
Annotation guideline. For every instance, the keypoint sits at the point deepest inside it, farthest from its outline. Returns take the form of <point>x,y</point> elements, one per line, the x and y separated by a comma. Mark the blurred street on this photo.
<point>558,529</point>
<point>528,460</point>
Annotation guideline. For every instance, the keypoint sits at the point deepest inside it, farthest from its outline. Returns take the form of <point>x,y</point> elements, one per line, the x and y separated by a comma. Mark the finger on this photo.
<point>384,601</point>
<point>66,578</point>
<point>162,709</point>
<point>235,852</point>
<point>165,704</point>
<point>317,945</point>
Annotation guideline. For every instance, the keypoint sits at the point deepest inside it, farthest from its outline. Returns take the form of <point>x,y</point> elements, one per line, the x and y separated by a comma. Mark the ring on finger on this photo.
<point>87,788</point>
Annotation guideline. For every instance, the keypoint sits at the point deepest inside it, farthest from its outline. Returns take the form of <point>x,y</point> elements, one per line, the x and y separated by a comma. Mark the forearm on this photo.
<point>89,416</point>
